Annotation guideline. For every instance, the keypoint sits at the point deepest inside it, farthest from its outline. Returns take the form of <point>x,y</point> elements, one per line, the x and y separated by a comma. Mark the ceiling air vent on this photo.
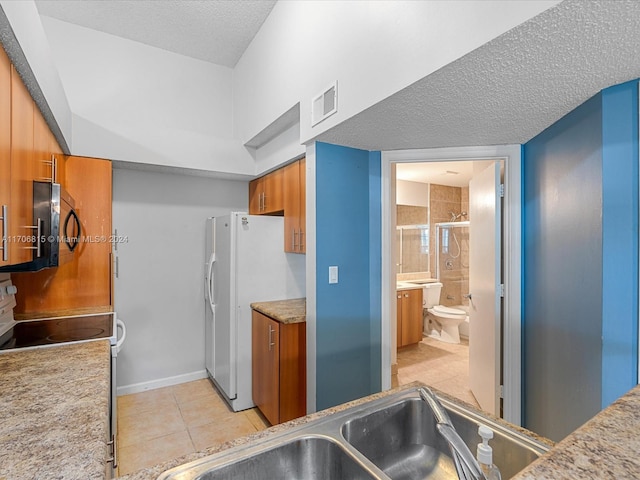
<point>325,104</point>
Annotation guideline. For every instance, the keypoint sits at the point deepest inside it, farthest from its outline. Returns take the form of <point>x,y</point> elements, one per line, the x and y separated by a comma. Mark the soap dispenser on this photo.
<point>485,454</point>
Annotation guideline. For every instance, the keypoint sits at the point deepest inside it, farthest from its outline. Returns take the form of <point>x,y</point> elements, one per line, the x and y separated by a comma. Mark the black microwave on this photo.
<point>56,228</point>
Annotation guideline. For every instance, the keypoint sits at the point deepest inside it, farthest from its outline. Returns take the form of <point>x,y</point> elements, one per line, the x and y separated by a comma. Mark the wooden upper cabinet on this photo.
<point>266,195</point>
<point>23,172</point>
<point>5,154</point>
<point>48,156</point>
<point>44,164</point>
<point>294,207</point>
<point>85,281</point>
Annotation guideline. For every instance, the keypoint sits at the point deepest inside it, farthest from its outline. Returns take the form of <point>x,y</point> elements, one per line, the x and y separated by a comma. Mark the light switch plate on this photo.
<point>333,274</point>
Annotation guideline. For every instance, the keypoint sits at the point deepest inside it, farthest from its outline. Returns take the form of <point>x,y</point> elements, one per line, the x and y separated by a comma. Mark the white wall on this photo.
<point>133,102</point>
<point>27,27</point>
<point>160,289</point>
<point>412,193</point>
<point>372,48</point>
<point>280,149</point>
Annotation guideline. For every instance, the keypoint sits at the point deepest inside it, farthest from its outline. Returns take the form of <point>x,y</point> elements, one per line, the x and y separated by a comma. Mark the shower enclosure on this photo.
<point>413,248</point>
<point>452,262</point>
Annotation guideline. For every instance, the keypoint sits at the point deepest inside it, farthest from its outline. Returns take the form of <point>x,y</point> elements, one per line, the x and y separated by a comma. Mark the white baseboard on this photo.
<point>162,382</point>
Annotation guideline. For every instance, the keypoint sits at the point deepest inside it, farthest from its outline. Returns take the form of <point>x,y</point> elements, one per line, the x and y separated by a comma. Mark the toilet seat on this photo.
<point>441,309</point>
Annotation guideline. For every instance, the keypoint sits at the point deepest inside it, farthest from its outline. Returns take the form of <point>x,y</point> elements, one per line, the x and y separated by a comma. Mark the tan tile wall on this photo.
<point>455,280</point>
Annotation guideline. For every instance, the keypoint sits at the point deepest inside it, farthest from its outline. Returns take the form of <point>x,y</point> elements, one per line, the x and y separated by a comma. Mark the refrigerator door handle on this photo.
<point>211,285</point>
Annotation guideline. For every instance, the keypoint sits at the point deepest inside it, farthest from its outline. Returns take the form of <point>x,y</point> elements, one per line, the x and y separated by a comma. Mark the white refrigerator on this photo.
<point>246,263</point>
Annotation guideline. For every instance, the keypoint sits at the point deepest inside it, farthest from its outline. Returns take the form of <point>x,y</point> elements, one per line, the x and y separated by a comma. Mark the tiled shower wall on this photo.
<point>413,257</point>
<point>455,279</point>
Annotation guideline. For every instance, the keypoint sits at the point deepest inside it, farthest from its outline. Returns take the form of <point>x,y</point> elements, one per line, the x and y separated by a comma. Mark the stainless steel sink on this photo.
<point>390,438</point>
<point>307,457</point>
<point>403,441</point>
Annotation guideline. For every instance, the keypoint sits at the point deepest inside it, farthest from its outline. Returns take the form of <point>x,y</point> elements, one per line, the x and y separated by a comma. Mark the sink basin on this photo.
<point>308,458</point>
<point>392,437</point>
<point>402,440</point>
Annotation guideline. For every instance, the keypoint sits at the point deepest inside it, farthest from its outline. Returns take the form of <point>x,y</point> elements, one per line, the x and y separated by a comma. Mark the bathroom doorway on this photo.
<point>435,196</point>
<point>445,365</point>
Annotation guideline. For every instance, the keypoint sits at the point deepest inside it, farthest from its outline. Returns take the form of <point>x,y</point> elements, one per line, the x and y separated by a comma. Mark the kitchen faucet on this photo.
<point>467,466</point>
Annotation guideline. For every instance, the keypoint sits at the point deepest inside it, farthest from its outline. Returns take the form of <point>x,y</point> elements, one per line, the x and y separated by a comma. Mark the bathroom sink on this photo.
<point>392,437</point>
<point>401,439</point>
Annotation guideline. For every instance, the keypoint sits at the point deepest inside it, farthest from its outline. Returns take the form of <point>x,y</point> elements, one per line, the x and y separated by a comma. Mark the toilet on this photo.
<point>441,322</point>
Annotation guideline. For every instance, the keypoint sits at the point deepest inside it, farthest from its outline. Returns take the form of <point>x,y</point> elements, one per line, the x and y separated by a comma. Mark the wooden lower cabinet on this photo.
<point>278,359</point>
<point>410,317</point>
<point>294,207</point>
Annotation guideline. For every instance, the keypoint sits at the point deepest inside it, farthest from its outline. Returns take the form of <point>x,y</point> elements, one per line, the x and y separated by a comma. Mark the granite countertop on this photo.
<point>284,311</point>
<point>606,447</point>
<point>55,411</point>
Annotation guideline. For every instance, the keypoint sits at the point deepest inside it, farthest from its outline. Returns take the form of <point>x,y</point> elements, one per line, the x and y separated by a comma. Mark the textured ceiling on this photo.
<point>217,31</point>
<point>510,89</point>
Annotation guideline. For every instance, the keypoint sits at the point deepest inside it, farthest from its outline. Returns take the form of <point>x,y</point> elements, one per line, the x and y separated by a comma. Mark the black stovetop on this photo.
<point>32,333</point>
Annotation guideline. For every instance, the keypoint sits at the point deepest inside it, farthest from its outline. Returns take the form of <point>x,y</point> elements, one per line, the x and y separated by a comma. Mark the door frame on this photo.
<point>512,264</point>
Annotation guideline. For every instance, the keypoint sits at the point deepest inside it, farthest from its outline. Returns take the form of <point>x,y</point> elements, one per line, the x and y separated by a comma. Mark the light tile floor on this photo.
<point>158,425</point>
<point>444,366</point>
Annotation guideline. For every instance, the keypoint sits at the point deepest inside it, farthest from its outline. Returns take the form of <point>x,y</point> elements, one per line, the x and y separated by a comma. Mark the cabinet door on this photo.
<point>5,153</point>
<point>303,204</point>
<point>293,371</point>
<point>292,208</point>
<point>265,346</point>
<point>20,219</point>
<point>255,196</point>
<point>42,149</point>
<point>273,196</point>
<point>411,316</point>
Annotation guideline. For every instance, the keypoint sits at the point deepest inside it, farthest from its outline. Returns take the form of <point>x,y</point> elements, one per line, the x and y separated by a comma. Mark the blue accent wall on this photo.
<point>348,236</point>
<point>580,262</point>
<point>619,240</point>
<point>562,266</point>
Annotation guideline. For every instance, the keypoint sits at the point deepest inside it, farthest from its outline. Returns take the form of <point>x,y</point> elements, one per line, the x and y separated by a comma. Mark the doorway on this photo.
<point>510,156</point>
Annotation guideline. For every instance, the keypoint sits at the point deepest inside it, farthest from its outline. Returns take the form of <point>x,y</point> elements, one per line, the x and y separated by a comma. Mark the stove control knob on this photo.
<point>12,289</point>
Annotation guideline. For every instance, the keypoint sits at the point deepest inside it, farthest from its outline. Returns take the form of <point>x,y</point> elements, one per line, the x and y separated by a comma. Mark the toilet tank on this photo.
<point>431,294</point>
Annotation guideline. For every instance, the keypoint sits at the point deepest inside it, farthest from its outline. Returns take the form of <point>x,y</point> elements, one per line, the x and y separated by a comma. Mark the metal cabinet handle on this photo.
<point>293,235</point>
<point>54,169</point>
<point>114,452</point>
<point>271,342</point>
<point>300,244</point>
<point>5,247</point>
<point>38,228</point>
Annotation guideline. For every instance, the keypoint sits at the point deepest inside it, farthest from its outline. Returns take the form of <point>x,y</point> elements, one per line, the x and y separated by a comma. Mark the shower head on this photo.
<point>456,216</point>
